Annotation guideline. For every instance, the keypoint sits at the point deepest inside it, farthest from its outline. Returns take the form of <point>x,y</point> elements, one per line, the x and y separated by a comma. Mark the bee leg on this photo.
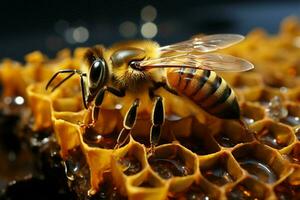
<point>158,118</point>
<point>95,110</point>
<point>99,99</point>
<point>128,123</point>
<point>114,91</point>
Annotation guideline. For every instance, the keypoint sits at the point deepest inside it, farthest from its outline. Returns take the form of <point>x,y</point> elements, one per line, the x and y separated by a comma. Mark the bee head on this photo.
<point>122,58</point>
<point>98,69</point>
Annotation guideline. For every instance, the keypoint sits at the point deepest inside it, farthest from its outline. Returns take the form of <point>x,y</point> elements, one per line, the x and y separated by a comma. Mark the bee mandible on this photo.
<point>185,68</point>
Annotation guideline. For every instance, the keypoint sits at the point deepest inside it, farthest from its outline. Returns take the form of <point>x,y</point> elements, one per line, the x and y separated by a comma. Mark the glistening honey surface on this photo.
<point>94,139</point>
<point>130,164</point>
<point>259,170</point>
<point>169,167</point>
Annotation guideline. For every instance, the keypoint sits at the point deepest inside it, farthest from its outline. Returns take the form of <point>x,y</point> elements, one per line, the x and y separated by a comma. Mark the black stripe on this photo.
<point>223,98</point>
<point>214,86</point>
<point>189,76</point>
<point>231,111</point>
<point>202,80</point>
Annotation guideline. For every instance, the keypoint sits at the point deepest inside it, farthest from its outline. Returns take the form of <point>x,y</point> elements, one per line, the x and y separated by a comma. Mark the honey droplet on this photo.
<point>248,120</point>
<point>276,109</point>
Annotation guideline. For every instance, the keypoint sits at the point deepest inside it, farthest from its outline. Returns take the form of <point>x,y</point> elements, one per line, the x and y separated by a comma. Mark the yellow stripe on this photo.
<point>207,87</point>
<point>215,96</point>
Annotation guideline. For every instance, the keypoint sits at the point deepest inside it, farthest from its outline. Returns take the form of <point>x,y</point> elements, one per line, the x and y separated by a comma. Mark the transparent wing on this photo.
<point>209,61</point>
<point>204,43</point>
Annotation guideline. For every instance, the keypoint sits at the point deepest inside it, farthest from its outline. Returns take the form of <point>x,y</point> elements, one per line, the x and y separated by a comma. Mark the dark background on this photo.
<point>26,26</point>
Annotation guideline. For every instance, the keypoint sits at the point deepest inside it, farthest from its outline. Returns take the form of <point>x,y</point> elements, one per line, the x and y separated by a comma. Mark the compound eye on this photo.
<point>96,72</point>
<point>125,56</point>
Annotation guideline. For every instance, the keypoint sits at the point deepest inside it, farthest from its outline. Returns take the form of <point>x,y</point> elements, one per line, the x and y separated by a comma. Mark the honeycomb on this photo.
<point>199,156</point>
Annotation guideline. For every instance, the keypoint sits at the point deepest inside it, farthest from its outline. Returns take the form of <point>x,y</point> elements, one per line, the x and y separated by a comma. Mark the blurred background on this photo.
<point>53,25</point>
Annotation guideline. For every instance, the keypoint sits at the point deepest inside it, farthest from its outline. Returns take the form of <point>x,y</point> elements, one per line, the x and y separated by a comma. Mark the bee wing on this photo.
<point>210,61</point>
<point>204,43</point>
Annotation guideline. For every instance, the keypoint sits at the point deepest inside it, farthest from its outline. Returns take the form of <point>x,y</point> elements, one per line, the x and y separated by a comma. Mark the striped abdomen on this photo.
<point>206,89</point>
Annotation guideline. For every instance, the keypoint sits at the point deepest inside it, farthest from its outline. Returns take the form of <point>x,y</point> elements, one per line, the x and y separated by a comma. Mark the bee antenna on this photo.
<point>71,71</point>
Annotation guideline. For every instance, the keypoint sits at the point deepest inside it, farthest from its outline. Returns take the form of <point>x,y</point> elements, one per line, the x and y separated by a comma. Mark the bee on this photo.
<point>186,69</point>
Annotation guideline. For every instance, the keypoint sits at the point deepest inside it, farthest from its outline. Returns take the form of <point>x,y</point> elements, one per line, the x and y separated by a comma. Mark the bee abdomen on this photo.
<point>206,89</point>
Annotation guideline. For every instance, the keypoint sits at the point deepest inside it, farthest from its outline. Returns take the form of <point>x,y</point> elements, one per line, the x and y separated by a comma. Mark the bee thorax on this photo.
<point>133,80</point>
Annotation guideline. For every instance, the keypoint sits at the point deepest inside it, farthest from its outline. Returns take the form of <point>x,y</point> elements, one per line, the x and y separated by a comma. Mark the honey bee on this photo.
<point>185,68</point>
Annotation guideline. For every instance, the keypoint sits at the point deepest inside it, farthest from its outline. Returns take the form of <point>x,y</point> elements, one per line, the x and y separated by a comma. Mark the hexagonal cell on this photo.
<point>132,160</point>
<point>262,95</point>
<point>294,154</point>
<point>172,160</point>
<point>106,130</point>
<point>220,169</point>
<point>246,80</point>
<point>273,134</point>
<point>130,164</point>
<point>200,141</point>
<point>290,187</point>
<point>127,162</point>
<point>251,112</point>
<point>261,162</point>
<point>293,117</point>
<point>147,186</point>
<point>248,189</point>
<point>232,133</point>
